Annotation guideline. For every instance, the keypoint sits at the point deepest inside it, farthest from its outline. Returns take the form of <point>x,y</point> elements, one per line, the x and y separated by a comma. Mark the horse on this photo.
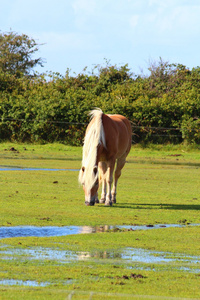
<point>107,143</point>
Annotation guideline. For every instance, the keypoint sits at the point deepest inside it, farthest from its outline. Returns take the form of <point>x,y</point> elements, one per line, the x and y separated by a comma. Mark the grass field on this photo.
<point>159,185</point>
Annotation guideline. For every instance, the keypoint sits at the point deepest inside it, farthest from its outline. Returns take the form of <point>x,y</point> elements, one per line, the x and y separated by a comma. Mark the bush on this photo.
<point>191,131</point>
<point>163,107</point>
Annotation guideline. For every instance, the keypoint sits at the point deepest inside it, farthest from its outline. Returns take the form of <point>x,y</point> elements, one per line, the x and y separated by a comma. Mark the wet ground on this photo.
<point>133,258</point>
<point>9,168</point>
<point>128,255</point>
<point>22,282</point>
<point>46,231</point>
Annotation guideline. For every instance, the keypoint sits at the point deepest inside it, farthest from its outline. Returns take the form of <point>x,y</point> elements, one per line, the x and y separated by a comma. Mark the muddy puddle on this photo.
<point>47,231</point>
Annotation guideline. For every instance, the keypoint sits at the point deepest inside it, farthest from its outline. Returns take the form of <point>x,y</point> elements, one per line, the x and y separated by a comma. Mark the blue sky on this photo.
<point>80,33</point>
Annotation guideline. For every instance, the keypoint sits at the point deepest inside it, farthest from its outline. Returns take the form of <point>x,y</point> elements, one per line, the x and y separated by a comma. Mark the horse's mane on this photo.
<point>94,136</point>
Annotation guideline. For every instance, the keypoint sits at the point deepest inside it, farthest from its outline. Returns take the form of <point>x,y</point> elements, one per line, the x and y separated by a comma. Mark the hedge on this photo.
<point>163,106</point>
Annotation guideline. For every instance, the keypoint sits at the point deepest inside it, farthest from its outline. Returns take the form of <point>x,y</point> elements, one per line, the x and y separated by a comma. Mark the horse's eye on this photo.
<point>95,170</point>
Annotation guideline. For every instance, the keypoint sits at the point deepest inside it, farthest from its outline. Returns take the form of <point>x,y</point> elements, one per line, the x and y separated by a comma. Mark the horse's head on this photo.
<point>88,177</point>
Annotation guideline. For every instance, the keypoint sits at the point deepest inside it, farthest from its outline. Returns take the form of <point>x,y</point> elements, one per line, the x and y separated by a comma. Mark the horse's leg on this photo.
<point>103,194</point>
<point>103,169</point>
<point>96,198</point>
<point>109,180</point>
<point>120,164</point>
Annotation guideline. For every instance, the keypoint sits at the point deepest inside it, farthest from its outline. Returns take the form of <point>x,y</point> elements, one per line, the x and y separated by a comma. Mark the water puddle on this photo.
<point>41,254</point>
<point>47,231</point>
<point>7,168</point>
<point>134,257</point>
<point>150,256</point>
<point>23,283</point>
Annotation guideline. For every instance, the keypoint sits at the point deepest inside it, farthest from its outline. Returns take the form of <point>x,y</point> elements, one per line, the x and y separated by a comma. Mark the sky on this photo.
<point>84,33</point>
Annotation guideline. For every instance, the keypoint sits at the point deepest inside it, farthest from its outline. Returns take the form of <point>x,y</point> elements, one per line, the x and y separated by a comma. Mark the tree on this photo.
<point>165,77</point>
<point>16,54</point>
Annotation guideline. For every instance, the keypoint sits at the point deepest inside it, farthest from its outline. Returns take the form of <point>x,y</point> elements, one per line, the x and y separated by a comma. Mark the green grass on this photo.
<point>149,191</point>
<point>159,184</point>
<point>100,277</point>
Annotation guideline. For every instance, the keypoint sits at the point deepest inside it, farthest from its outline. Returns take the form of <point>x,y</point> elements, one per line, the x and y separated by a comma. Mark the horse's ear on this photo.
<point>83,169</point>
<point>95,170</point>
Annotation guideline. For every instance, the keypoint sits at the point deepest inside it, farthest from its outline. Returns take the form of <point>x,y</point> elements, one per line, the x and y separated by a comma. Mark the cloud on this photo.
<point>172,3</point>
<point>84,7</point>
<point>165,23</point>
<point>134,21</point>
<point>83,12</point>
<point>184,19</point>
<point>79,31</point>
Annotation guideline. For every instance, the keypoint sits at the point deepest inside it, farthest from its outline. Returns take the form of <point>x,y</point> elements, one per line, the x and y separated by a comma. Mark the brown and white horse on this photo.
<point>107,141</point>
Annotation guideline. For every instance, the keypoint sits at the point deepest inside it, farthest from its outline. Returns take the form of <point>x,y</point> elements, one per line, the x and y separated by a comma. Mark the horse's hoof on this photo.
<point>97,201</point>
<point>114,201</point>
<point>101,201</point>
<point>108,203</point>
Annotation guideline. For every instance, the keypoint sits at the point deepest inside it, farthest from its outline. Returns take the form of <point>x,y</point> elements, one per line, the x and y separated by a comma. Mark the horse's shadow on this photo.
<point>157,206</point>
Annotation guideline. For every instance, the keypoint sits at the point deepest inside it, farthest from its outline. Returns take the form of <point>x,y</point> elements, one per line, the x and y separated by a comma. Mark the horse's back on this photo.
<point>118,134</point>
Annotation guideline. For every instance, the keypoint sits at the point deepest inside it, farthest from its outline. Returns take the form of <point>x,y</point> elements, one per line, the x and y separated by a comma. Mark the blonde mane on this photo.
<point>94,136</point>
